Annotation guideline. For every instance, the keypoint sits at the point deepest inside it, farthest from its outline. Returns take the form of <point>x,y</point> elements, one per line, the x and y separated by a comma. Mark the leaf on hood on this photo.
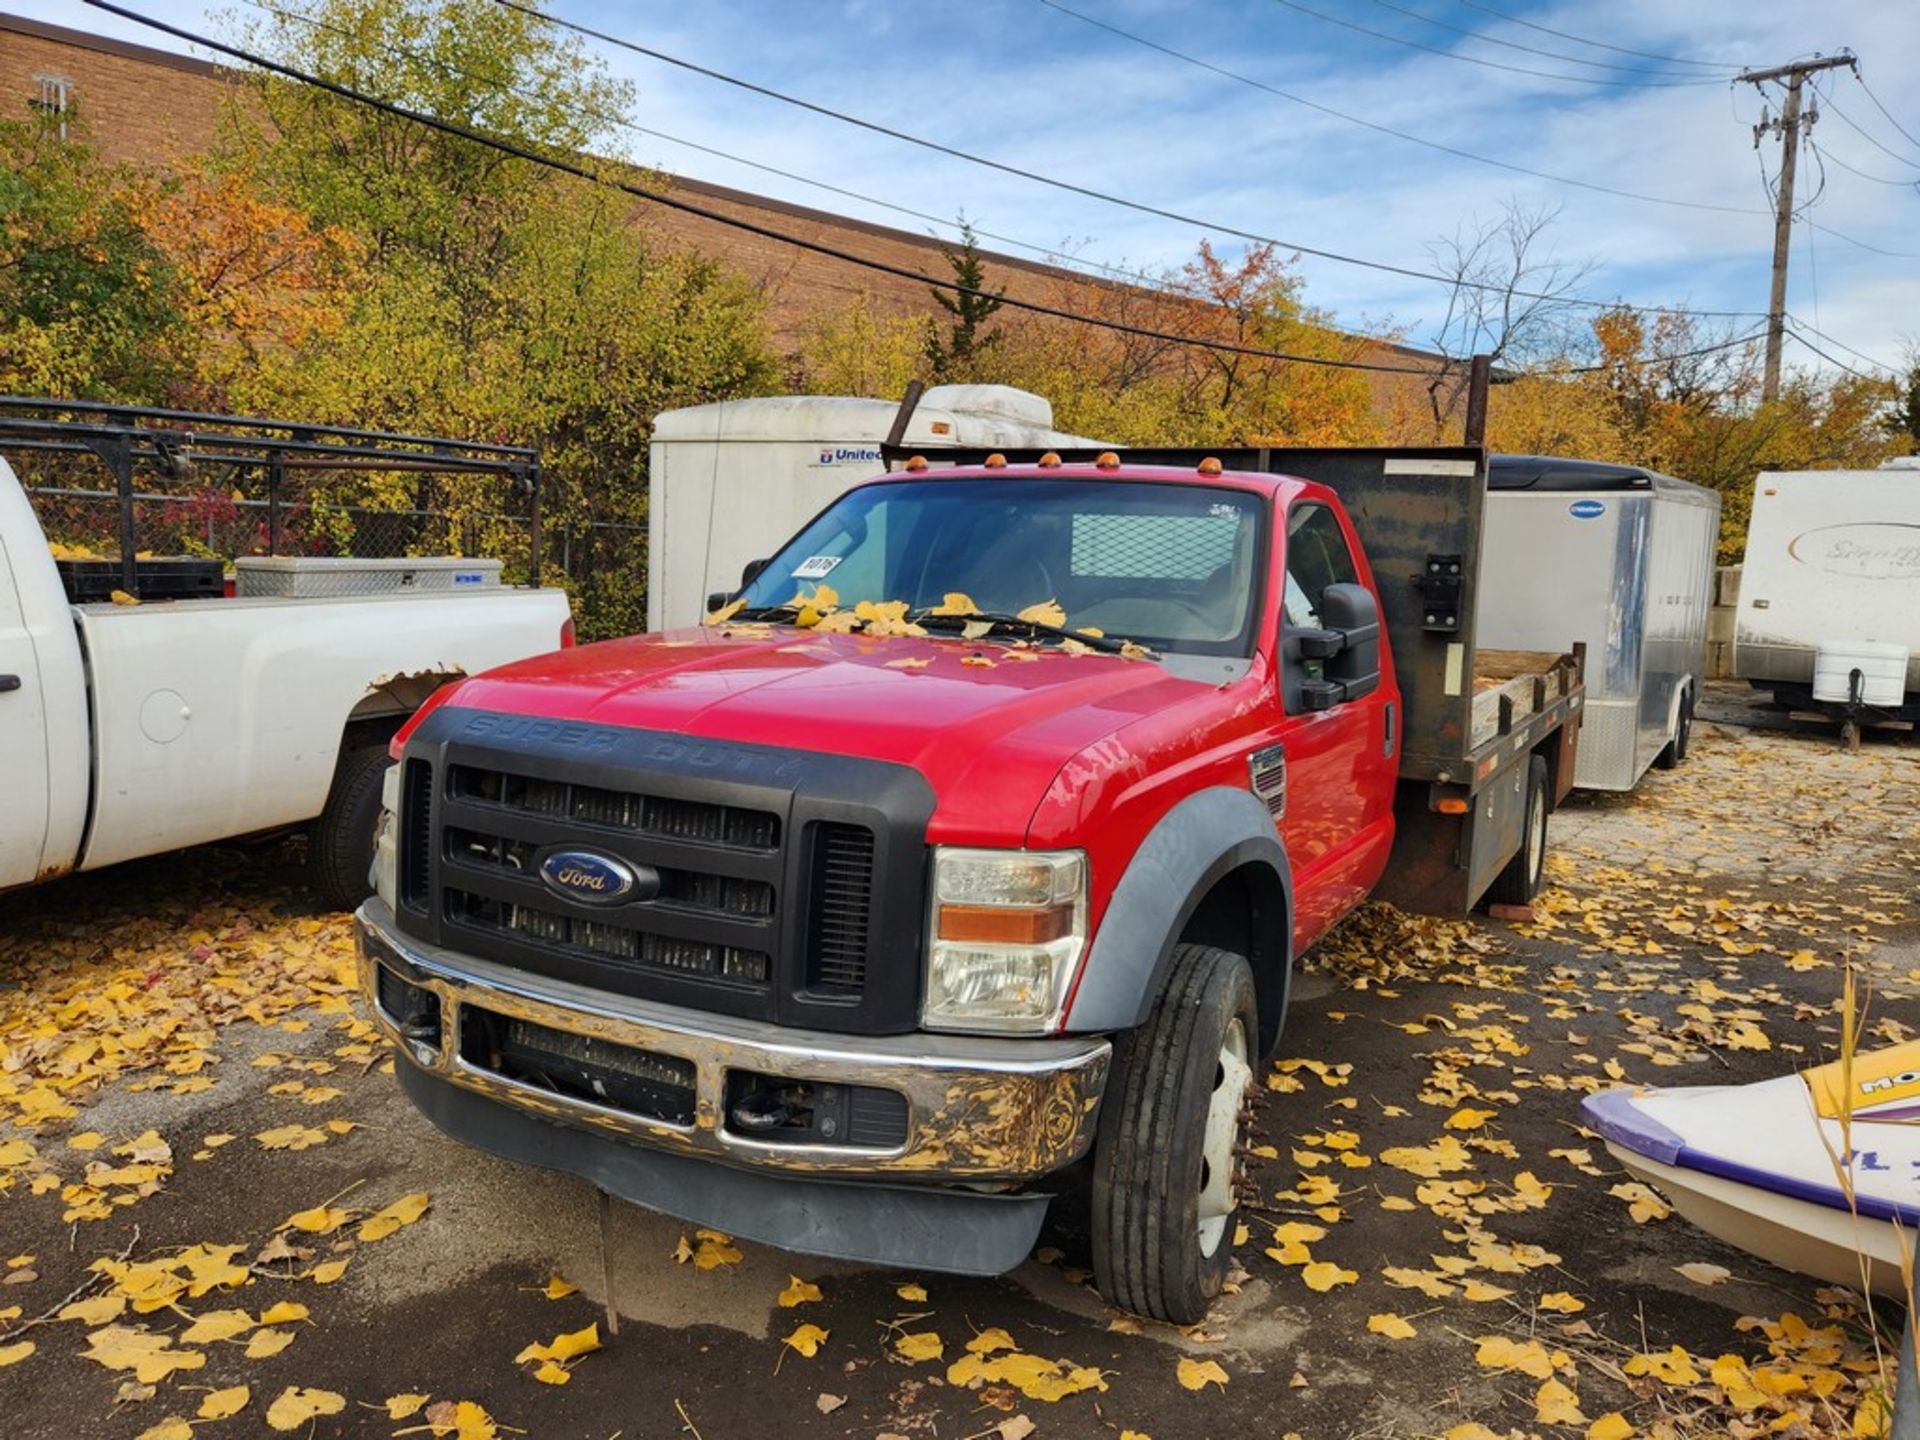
<point>1047,612</point>
<point>726,612</point>
<point>956,603</point>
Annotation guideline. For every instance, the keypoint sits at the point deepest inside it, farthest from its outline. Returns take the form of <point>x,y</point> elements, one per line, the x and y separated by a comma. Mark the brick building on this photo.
<point>150,107</point>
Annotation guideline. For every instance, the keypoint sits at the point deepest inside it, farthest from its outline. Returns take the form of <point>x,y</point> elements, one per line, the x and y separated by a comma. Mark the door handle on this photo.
<point>9,682</point>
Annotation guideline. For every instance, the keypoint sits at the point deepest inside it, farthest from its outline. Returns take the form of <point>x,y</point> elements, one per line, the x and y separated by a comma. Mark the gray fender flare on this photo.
<point>1206,836</point>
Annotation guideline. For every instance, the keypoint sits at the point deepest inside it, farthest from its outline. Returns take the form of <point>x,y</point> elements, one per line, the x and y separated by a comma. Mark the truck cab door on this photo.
<point>23,740</point>
<point>1340,746</point>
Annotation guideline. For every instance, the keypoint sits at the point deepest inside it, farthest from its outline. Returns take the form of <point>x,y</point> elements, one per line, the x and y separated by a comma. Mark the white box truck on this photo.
<point>729,483</point>
<point>1621,559</point>
<point>1829,613</point>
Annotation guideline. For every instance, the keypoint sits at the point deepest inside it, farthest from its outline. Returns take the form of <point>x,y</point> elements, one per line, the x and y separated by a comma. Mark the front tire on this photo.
<point>1165,1167</point>
<point>340,842</point>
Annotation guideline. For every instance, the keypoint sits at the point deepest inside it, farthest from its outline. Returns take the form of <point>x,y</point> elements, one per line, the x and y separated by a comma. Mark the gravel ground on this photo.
<point>1716,905</point>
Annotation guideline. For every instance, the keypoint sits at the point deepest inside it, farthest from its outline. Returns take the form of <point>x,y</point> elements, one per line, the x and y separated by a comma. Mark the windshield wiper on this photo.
<point>1000,620</point>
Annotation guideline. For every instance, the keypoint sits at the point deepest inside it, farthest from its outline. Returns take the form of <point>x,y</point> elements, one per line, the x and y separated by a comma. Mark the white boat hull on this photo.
<point>1819,1240</point>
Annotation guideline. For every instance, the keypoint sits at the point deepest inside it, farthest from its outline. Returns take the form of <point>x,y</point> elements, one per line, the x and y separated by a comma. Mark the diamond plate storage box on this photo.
<point>291,577</point>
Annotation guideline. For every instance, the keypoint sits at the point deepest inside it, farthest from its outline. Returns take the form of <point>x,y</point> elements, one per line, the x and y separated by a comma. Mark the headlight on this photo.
<point>385,874</point>
<point>1005,935</point>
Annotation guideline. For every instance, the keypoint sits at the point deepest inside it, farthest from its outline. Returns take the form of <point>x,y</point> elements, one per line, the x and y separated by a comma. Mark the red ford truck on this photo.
<point>976,837</point>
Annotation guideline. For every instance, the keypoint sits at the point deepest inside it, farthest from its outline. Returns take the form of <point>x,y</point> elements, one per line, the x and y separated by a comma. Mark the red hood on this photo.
<point>989,738</point>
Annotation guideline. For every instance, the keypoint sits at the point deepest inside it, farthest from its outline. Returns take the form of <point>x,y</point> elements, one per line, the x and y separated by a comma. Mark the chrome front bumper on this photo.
<point>978,1110</point>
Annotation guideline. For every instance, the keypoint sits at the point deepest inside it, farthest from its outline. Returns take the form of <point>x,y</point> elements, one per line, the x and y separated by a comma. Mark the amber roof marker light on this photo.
<point>995,461</point>
<point>1050,460</point>
<point>1210,466</point>
<point>1107,460</point>
<point>915,462</point>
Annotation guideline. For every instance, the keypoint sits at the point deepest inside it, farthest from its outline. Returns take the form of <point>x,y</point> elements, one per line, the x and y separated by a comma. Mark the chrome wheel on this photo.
<point>1231,1076</point>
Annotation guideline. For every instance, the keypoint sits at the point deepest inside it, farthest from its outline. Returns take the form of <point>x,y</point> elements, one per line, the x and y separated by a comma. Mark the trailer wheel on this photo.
<point>1676,751</point>
<point>1165,1167</point>
<point>1520,881</point>
<point>340,842</point>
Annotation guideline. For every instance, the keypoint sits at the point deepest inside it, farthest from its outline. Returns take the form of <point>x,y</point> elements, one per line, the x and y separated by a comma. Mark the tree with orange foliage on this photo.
<point>256,279</point>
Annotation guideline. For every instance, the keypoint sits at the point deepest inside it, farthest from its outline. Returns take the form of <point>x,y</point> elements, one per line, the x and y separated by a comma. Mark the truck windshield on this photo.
<point>1172,567</point>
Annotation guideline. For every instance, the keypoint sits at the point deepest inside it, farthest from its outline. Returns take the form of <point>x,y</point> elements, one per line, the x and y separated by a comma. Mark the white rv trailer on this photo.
<point>1829,613</point>
<point>1621,559</point>
<point>730,483</point>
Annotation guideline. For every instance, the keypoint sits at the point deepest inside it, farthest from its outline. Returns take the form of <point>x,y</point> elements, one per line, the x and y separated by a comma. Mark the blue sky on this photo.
<point>1024,83</point>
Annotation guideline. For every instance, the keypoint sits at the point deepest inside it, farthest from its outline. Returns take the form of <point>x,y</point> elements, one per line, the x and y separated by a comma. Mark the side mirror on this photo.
<point>719,599</point>
<point>1354,613</point>
<point>1347,647</point>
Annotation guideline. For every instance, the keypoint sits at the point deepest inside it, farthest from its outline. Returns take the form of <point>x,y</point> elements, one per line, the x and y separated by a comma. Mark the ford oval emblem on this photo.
<point>595,879</point>
<point>1587,509</point>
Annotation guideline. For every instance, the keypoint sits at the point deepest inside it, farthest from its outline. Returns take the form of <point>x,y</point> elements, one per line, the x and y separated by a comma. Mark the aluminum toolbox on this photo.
<point>292,577</point>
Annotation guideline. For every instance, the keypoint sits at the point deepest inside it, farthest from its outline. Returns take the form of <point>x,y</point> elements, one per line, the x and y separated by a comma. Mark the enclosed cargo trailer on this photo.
<point>1621,559</point>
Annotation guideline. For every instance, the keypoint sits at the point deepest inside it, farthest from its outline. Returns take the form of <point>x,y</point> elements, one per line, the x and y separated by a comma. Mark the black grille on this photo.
<point>670,819</point>
<point>640,1082</point>
<point>691,890</point>
<point>842,900</point>
<point>606,940</point>
<point>415,835</point>
<point>790,883</point>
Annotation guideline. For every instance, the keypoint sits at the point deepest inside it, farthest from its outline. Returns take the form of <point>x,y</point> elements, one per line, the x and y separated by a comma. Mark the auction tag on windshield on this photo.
<point>815,567</point>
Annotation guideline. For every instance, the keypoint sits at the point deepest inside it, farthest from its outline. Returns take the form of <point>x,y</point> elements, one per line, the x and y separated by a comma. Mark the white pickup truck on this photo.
<point>128,730</point>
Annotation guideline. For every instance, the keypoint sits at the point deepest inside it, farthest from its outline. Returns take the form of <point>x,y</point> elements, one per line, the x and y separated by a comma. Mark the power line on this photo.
<point>1662,359</point>
<point>1596,44</point>
<point>1827,155</point>
<point>1866,135</point>
<point>1798,323</point>
<point>1486,39</point>
<point>1053,254</point>
<point>1375,126</point>
<point>581,172</point>
<point>1841,364</point>
<point>1911,138</point>
<point>1475,60</point>
<point>1104,197</point>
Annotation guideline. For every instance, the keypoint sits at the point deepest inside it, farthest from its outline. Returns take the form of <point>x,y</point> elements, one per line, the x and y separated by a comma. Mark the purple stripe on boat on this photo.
<point>1831,1196</point>
<point>1614,1116</point>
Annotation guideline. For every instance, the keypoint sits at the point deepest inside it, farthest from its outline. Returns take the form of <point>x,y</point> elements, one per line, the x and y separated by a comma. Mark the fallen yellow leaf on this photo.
<point>1610,1426</point>
<point>296,1406</point>
<point>798,1292</point>
<point>220,1404</point>
<point>1198,1374</point>
<point>1391,1326</point>
<point>558,1289</point>
<point>1555,1404</point>
<point>921,1345</point>
<point>1324,1275</point>
<point>404,1211</point>
<point>807,1339</point>
<point>402,1407</point>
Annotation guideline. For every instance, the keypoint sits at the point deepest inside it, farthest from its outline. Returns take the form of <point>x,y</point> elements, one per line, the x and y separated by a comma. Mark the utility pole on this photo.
<point>1787,127</point>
